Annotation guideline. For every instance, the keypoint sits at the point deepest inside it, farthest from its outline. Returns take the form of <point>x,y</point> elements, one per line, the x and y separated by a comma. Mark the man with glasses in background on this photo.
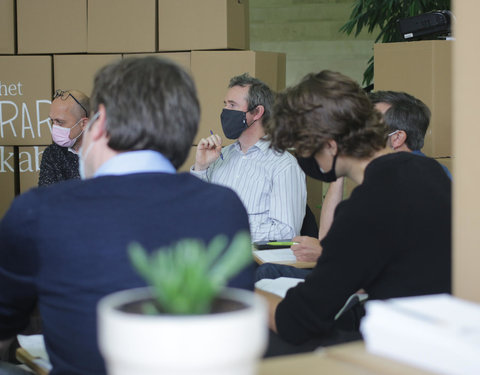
<point>69,115</point>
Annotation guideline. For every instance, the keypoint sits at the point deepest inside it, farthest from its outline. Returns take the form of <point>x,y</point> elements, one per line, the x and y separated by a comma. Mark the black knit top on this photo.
<point>58,164</point>
<point>392,238</point>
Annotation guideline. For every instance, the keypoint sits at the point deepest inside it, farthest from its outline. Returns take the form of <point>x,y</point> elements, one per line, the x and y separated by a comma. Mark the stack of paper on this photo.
<point>278,286</point>
<point>33,353</point>
<point>276,255</point>
<point>439,333</point>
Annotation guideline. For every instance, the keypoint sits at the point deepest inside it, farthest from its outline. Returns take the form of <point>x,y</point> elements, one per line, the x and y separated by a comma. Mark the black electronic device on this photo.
<point>273,244</point>
<point>426,26</point>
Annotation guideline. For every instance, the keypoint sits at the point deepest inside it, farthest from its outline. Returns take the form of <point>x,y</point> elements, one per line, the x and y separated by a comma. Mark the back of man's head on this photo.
<point>258,94</point>
<point>151,104</point>
<point>406,113</point>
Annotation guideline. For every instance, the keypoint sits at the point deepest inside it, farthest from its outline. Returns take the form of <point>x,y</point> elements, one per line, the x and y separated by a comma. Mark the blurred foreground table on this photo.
<point>345,359</point>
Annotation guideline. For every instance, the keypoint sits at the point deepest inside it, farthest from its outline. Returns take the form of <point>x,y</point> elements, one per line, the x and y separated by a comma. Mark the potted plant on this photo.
<point>186,322</point>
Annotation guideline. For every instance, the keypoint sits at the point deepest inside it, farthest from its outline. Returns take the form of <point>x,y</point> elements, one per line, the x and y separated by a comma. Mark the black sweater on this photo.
<point>392,238</point>
<point>58,164</point>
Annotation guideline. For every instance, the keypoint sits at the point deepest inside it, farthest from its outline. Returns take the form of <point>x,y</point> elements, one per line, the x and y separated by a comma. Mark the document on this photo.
<point>439,333</point>
<point>34,344</point>
<point>32,352</point>
<point>276,255</point>
<point>277,286</point>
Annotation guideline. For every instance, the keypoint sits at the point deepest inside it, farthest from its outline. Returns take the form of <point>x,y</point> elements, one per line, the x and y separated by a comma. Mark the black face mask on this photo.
<point>233,123</point>
<point>311,169</point>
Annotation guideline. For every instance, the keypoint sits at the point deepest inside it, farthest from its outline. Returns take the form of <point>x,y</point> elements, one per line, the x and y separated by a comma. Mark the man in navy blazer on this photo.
<point>64,246</point>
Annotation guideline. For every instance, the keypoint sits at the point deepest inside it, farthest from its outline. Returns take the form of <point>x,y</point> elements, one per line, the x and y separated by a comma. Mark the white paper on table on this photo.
<point>34,344</point>
<point>278,286</point>
<point>276,255</point>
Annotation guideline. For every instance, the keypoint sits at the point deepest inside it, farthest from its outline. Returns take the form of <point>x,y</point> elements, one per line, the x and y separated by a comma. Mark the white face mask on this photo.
<point>81,158</point>
<point>61,136</point>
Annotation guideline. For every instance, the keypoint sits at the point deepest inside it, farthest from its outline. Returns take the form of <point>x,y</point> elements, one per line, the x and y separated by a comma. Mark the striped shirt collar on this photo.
<point>262,144</point>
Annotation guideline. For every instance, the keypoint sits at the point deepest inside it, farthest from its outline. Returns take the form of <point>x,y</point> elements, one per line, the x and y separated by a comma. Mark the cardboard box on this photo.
<point>52,26</point>
<point>212,71</point>
<point>78,71</point>
<point>203,25</point>
<point>7,27</point>
<point>29,159</point>
<point>181,58</point>
<point>424,70</point>
<point>121,26</point>
<point>25,97</point>
<point>7,180</point>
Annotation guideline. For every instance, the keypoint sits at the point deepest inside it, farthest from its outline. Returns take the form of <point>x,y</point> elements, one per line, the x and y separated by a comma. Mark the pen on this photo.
<point>277,243</point>
<point>221,155</point>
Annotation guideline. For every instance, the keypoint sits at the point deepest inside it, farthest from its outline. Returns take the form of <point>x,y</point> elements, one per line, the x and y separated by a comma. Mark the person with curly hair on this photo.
<point>391,238</point>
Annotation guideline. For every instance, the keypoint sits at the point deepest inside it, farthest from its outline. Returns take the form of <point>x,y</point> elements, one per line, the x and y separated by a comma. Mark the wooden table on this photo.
<point>344,359</point>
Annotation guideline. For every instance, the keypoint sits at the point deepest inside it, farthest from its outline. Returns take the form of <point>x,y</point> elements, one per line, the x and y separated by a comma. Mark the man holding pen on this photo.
<point>270,185</point>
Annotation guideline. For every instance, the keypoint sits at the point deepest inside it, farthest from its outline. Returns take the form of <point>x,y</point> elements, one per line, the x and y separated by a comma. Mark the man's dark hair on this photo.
<point>258,93</point>
<point>151,104</point>
<point>406,113</point>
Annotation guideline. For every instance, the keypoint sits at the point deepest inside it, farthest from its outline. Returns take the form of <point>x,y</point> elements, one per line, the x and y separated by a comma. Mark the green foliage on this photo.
<point>187,276</point>
<point>381,16</point>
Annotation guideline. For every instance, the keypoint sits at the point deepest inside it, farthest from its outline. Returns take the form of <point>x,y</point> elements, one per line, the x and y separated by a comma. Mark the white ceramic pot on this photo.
<point>228,343</point>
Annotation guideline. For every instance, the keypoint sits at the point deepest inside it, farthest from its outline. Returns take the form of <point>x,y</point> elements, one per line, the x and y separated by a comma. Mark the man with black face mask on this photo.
<point>270,185</point>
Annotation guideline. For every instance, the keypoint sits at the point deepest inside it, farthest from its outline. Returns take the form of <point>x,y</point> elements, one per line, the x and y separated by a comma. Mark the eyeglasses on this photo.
<point>62,94</point>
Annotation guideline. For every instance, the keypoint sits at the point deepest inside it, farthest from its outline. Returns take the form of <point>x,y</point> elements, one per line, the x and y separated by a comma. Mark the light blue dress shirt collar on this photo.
<point>144,161</point>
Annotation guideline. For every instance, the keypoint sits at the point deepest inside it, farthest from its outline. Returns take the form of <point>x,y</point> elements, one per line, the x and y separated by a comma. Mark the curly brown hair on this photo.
<point>325,106</point>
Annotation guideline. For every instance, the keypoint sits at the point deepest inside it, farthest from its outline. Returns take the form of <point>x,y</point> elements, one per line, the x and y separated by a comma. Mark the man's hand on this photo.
<point>308,249</point>
<point>208,150</point>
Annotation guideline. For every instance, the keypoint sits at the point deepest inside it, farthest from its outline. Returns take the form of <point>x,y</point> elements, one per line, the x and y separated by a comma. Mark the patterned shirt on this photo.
<point>270,185</point>
<point>58,164</point>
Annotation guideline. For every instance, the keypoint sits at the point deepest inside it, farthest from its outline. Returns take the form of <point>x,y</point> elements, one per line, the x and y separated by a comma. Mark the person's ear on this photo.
<point>398,139</point>
<point>83,123</point>
<point>258,112</point>
<point>332,147</point>
<point>99,127</point>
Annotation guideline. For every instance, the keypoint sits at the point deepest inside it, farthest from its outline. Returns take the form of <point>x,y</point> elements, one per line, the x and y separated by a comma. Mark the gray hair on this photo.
<point>258,93</point>
<point>406,113</point>
<point>151,104</point>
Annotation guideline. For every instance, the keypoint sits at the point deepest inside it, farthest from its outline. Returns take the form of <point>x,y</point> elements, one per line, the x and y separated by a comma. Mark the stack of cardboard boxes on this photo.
<point>60,44</point>
<point>424,70</point>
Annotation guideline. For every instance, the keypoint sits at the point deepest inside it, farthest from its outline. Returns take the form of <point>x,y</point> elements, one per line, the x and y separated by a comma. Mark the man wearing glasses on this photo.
<point>69,115</point>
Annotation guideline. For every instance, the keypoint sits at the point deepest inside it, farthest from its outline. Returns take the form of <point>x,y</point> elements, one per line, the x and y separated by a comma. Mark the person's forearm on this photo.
<point>200,174</point>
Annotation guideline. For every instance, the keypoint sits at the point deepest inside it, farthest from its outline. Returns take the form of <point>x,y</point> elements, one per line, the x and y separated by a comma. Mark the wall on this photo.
<point>307,31</point>
<point>466,136</point>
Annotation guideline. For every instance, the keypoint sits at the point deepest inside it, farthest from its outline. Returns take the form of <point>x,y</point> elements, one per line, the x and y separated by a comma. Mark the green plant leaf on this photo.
<point>187,276</point>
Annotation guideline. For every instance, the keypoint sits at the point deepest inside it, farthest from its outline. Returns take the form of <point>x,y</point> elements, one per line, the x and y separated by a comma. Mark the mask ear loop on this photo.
<point>250,110</point>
